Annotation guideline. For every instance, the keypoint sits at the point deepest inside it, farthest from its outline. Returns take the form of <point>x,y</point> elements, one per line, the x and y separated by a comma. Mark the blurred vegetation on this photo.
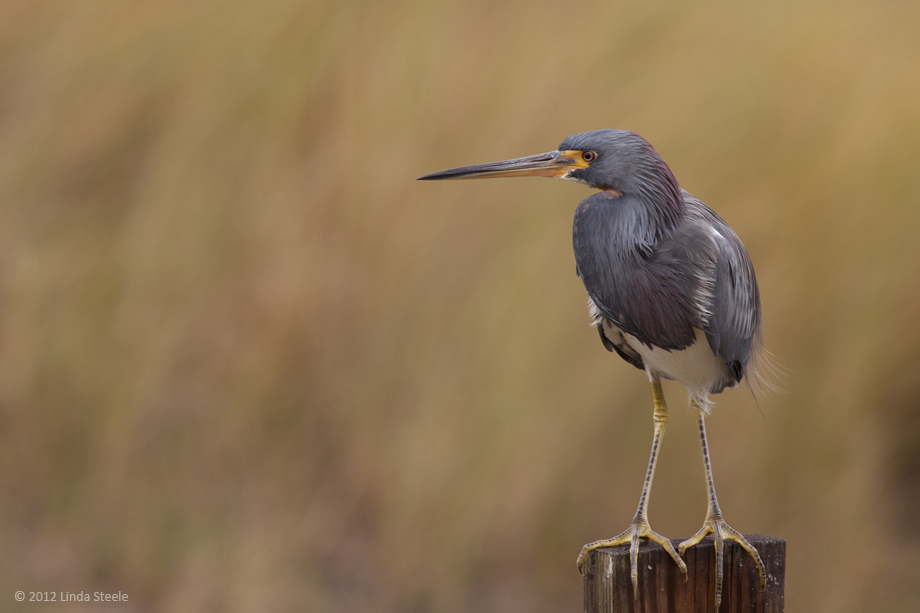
<point>247,363</point>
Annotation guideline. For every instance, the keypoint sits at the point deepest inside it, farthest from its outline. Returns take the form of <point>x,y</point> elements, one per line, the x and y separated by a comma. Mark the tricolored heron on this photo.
<point>671,290</point>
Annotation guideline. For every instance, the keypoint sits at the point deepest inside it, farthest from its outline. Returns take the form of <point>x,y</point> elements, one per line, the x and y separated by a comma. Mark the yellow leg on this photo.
<point>714,523</point>
<point>639,527</point>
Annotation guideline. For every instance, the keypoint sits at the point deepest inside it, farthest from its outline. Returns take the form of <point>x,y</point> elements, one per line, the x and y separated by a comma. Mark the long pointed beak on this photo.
<point>551,164</point>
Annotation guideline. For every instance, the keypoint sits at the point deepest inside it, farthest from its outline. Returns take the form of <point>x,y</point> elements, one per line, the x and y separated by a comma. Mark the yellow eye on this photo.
<point>588,156</point>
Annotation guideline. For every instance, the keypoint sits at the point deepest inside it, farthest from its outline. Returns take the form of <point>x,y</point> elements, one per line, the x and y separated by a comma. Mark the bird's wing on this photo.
<point>632,284</point>
<point>734,320</point>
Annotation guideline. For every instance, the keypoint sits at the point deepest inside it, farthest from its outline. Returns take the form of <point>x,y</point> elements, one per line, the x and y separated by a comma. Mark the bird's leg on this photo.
<point>714,523</point>
<point>639,527</point>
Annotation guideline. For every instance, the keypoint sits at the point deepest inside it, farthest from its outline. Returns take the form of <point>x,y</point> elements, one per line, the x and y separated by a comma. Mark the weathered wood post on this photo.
<point>662,588</point>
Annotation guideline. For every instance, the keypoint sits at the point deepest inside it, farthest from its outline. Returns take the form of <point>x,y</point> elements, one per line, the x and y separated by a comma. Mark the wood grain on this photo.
<point>662,588</point>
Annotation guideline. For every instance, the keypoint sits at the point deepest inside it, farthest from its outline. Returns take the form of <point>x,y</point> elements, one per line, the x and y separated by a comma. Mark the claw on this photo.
<point>722,532</point>
<point>639,529</point>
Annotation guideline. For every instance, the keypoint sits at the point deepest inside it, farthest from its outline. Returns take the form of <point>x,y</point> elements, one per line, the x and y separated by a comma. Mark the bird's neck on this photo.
<point>661,199</point>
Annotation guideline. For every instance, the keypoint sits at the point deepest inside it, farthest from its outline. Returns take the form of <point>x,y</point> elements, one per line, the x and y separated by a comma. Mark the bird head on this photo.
<point>616,160</point>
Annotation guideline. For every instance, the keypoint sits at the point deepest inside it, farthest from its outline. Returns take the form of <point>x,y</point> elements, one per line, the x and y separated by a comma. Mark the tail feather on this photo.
<point>763,373</point>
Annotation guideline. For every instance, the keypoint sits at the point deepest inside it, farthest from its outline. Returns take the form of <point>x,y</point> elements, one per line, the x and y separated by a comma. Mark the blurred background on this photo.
<point>247,363</point>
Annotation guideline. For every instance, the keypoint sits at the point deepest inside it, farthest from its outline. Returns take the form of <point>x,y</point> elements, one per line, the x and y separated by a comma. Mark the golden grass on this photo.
<point>248,364</point>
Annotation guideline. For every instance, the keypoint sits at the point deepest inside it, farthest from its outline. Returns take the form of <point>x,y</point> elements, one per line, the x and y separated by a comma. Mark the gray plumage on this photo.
<point>671,289</point>
<point>657,263</point>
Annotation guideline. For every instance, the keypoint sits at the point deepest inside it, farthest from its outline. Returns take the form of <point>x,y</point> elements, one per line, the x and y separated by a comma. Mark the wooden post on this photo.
<point>662,589</point>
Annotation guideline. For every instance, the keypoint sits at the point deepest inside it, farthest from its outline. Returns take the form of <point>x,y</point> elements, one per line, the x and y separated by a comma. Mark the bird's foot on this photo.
<point>722,531</point>
<point>638,529</point>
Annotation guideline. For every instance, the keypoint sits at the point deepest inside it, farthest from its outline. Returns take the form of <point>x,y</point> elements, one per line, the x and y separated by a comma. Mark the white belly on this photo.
<point>697,368</point>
